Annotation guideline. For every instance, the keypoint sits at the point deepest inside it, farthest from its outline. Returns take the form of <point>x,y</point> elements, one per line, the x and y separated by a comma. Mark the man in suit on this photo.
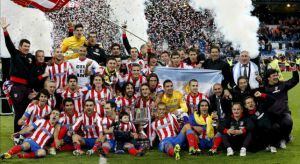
<point>246,68</point>
<point>220,104</point>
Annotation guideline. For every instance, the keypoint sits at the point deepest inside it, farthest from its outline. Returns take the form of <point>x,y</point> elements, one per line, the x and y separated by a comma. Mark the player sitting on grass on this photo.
<point>63,139</point>
<point>125,136</point>
<point>167,127</point>
<point>34,145</point>
<point>201,125</point>
<point>89,123</point>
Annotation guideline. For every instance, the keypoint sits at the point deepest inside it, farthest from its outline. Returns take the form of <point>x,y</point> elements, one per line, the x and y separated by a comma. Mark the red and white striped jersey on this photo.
<point>143,103</point>
<point>192,102</point>
<point>59,73</point>
<point>147,70</point>
<point>106,123</point>
<point>98,96</point>
<point>127,127</point>
<point>100,110</point>
<point>90,125</point>
<point>68,120</point>
<point>77,96</point>
<point>123,102</point>
<point>43,132</point>
<point>136,82</point>
<point>34,112</point>
<point>129,63</point>
<point>165,127</point>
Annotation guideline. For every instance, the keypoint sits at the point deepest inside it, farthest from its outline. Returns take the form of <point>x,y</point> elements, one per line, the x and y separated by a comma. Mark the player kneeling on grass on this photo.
<point>201,124</point>
<point>125,136</point>
<point>167,127</point>
<point>89,123</point>
<point>34,145</point>
<point>237,131</point>
<point>62,134</point>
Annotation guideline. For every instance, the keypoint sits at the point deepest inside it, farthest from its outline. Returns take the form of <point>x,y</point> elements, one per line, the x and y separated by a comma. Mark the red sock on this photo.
<point>132,151</point>
<point>96,146</point>
<point>15,149</point>
<point>77,146</point>
<point>62,132</point>
<point>67,147</point>
<point>27,155</point>
<point>171,152</point>
<point>217,142</point>
<point>53,144</point>
<point>105,150</point>
<point>191,139</point>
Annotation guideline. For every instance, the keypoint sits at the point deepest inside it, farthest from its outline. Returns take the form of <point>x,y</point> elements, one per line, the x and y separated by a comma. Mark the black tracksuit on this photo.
<point>36,80</point>
<point>237,141</point>
<point>264,133</point>
<point>279,111</point>
<point>222,66</point>
<point>96,53</point>
<point>20,66</point>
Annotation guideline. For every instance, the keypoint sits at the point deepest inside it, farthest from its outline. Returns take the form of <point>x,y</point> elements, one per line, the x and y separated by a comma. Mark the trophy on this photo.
<point>142,120</point>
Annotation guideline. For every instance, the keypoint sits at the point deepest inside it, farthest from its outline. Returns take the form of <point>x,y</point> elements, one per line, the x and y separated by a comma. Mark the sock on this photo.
<point>77,146</point>
<point>96,146</point>
<point>105,150</point>
<point>67,147</point>
<point>53,144</point>
<point>132,151</point>
<point>15,149</point>
<point>191,138</point>
<point>171,152</point>
<point>62,132</point>
<point>217,142</point>
<point>27,155</point>
<point>168,148</point>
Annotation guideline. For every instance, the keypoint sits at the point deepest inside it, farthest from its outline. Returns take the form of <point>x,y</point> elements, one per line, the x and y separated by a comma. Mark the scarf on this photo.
<point>200,121</point>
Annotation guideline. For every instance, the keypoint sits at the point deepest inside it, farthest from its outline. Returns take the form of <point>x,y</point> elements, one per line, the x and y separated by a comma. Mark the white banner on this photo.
<point>180,78</point>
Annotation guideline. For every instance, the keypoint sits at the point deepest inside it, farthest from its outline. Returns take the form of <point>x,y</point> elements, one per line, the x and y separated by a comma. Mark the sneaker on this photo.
<point>212,152</point>
<point>5,156</point>
<point>177,152</point>
<point>52,151</point>
<point>90,152</point>
<point>229,151</point>
<point>78,152</point>
<point>192,151</point>
<point>198,151</point>
<point>283,144</point>
<point>120,151</point>
<point>273,149</point>
<point>140,153</point>
<point>243,152</point>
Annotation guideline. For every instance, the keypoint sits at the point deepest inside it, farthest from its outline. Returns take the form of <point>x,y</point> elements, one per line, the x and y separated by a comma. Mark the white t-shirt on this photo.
<point>79,70</point>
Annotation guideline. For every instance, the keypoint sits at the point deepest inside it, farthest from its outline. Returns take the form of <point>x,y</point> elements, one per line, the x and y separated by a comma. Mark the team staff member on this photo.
<point>216,63</point>
<point>20,64</point>
<point>279,111</point>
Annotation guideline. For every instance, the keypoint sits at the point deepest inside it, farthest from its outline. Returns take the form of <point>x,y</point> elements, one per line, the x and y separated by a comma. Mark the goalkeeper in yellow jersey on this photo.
<point>174,100</point>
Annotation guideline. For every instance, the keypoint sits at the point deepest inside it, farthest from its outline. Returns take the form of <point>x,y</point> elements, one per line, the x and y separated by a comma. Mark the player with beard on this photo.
<point>194,97</point>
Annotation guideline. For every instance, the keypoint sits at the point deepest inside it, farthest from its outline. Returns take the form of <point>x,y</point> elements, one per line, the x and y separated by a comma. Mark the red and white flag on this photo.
<point>44,5</point>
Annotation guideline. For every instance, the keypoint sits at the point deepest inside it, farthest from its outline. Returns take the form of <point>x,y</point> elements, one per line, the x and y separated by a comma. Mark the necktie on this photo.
<point>219,110</point>
<point>245,70</point>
